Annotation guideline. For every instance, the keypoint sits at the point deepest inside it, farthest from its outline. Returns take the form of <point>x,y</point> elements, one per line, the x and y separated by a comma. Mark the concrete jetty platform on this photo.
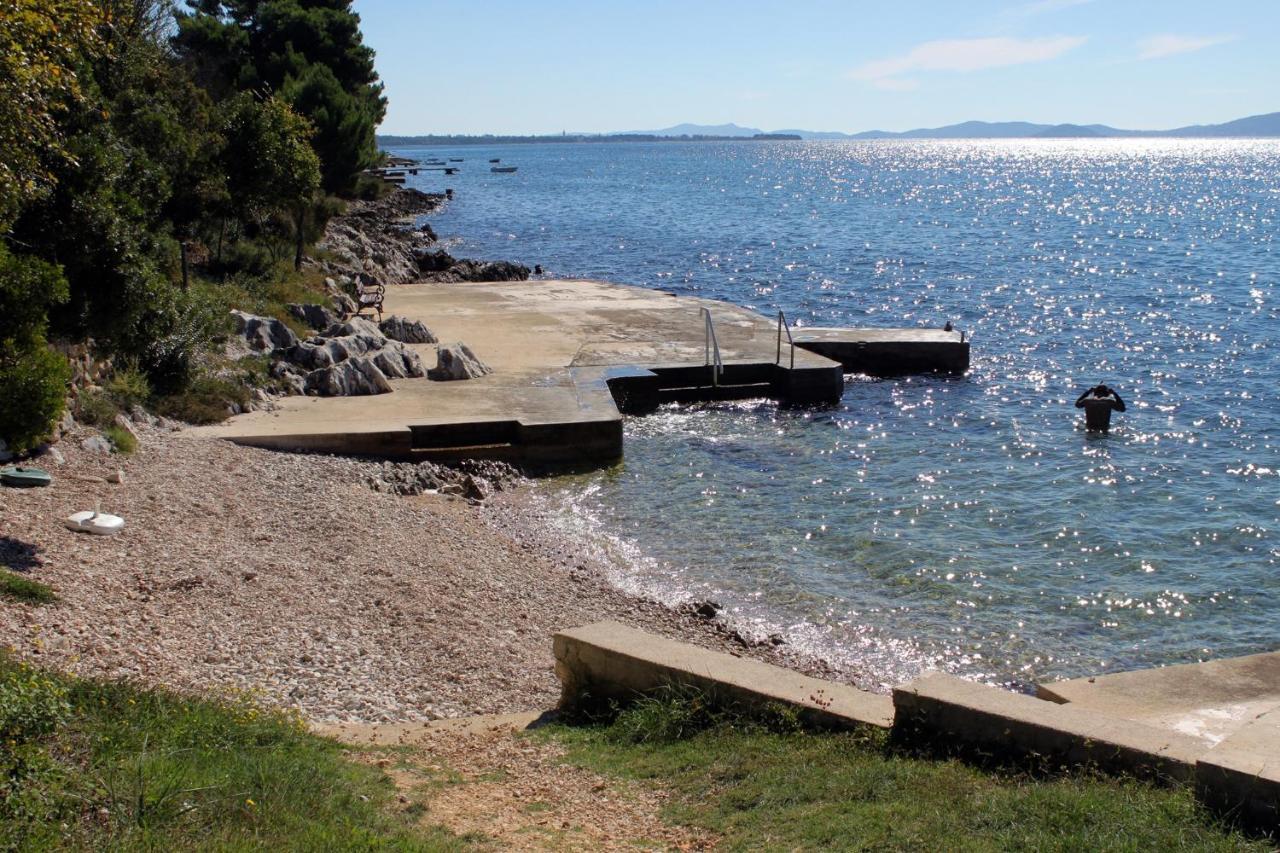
<point>568,358</point>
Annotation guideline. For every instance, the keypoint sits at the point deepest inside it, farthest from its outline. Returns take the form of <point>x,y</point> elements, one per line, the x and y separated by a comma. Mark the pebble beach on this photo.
<point>290,578</point>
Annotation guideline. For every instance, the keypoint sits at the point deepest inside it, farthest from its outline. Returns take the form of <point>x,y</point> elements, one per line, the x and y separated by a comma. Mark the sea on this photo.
<point>968,524</point>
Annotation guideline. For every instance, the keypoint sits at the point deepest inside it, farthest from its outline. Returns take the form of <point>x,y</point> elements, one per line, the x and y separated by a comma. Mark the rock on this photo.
<point>5,455</point>
<point>354,377</point>
<point>68,423</point>
<point>315,316</point>
<point>125,424</point>
<point>433,260</point>
<point>356,326</point>
<point>141,416</point>
<point>407,331</point>
<point>116,476</point>
<point>264,333</point>
<point>343,304</point>
<point>457,362</point>
<point>397,362</point>
<point>476,489</point>
<point>54,455</point>
<point>96,444</point>
<point>705,609</point>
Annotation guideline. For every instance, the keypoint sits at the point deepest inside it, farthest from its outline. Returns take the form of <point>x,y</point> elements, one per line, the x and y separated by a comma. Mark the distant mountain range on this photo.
<point>1254,126</point>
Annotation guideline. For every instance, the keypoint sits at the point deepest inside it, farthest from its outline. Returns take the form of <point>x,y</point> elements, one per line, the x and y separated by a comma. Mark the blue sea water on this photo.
<point>962,523</point>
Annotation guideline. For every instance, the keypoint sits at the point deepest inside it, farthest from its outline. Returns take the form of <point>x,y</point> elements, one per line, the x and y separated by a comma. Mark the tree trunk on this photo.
<point>299,221</point>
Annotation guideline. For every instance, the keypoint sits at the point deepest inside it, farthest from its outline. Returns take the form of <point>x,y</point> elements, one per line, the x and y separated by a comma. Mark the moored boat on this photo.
<point>504,169</point>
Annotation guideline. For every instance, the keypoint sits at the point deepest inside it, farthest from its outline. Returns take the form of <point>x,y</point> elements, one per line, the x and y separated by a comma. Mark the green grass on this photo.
<point>105,765</point>
<point>121,439</point>
<point>18,588</point>
<point>759,788</point>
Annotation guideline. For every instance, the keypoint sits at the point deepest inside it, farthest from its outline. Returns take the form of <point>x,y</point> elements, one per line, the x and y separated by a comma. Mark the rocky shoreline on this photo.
<point>379,242</point>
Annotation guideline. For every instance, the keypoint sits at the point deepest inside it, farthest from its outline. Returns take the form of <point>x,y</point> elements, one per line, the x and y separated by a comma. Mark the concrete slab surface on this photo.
<point>540,338</point>
<point>609,660</point>
<point>1241,775</point>
<point>1210,700</point>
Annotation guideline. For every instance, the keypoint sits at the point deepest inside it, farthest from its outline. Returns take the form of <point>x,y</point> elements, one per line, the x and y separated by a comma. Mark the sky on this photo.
<point>526,67</point>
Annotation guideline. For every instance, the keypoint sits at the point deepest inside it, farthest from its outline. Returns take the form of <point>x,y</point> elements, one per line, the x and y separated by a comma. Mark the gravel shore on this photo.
<point>288,576</point>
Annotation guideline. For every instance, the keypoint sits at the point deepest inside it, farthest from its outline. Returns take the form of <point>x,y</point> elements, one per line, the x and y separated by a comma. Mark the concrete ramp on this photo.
<point>1209,700</point>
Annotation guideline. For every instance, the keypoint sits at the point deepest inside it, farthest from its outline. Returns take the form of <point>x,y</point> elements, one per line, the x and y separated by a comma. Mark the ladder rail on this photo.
<point>711,349</point>
<point>783,325</point>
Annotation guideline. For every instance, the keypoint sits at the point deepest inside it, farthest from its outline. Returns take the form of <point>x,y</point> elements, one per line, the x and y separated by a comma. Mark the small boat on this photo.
<point>455,159</point>
<point>503,169</point>
<point>496,160</point>
<point>22,477</point>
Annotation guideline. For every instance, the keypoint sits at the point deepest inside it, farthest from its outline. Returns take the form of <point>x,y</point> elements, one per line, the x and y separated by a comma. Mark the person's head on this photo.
<point>1101,391</point>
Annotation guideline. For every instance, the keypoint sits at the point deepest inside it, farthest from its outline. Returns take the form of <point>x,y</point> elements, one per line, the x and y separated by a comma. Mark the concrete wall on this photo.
<point>611,661</point>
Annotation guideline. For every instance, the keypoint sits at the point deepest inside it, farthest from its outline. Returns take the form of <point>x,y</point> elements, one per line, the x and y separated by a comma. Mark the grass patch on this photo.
<point>759,788</point>
<point>121,439</point>
<point>18,588</point>
<point>105,765</point>
<point>205,401</point>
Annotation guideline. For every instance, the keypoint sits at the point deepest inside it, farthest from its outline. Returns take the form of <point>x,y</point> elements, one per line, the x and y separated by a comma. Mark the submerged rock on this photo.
<point>455,362</point>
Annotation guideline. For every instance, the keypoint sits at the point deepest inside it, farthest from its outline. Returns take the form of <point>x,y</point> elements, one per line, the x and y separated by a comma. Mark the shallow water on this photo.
<point>965,523</point>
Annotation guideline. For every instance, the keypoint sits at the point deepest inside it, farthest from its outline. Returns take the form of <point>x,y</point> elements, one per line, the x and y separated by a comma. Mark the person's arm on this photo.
<point>1080,401</point>
<point>1118,405</point>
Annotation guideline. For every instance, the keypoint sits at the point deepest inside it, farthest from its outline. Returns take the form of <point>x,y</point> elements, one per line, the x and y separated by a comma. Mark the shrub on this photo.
<point>96,408</point>
<point>205,401</point>
<point>128,387</point>
<point>33,387</point>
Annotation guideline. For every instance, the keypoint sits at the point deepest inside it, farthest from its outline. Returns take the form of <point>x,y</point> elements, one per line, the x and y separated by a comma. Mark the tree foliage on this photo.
<point>131,133</point>
<point>40,43</point>
<point>310,52</point>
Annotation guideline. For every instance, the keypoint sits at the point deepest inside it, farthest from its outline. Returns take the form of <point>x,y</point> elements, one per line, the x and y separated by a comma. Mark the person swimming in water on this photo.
<point>1098,403</point>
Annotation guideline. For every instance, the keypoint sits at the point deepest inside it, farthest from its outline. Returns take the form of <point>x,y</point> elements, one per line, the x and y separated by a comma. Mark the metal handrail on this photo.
<point>711,347</point>
<point>783,324</point>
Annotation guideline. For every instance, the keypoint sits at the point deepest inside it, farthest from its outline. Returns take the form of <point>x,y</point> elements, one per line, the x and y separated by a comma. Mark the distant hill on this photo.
<point>1260,126</point>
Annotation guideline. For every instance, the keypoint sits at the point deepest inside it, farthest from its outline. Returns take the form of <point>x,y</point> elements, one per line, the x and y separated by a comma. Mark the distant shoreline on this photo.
<point>384,141</point>
<point>1266,126</point>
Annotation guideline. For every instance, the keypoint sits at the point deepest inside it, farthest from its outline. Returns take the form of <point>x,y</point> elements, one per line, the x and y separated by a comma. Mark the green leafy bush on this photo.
<point>33,385</point>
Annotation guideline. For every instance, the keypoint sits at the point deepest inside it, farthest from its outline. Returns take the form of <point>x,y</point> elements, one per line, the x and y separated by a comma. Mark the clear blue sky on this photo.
<point>520,66</point>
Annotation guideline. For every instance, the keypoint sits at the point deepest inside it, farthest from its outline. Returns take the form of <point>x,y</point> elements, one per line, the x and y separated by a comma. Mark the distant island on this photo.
<point>1258,127</point>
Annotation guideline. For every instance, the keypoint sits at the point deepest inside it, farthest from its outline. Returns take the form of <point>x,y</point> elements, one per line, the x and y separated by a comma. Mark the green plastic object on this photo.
<point>21,477</point>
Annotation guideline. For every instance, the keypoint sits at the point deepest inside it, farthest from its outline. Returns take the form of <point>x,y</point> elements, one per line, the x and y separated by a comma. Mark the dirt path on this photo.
<point>482,776</point>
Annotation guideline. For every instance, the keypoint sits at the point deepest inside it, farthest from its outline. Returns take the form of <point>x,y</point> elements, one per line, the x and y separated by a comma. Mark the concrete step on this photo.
<point>704,393</point>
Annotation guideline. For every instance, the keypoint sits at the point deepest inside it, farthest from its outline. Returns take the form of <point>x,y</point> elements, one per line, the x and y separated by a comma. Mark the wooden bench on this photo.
<point>369,297</point>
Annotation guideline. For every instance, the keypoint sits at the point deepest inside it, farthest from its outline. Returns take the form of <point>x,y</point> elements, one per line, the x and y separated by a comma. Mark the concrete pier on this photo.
<point>568,358</point>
